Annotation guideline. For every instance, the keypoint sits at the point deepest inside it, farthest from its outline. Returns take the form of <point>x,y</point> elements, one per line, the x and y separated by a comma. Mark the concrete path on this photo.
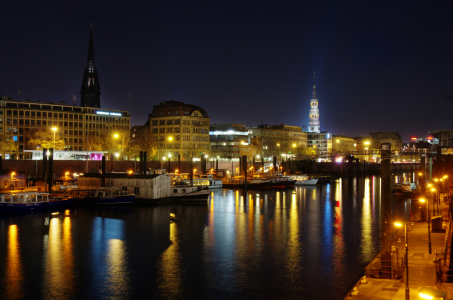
<point>422,270</point>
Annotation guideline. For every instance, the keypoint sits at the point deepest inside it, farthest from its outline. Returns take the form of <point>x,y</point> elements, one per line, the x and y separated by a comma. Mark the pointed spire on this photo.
<point>314,85</point>
<point>90,59</point>
<point>90,91</point>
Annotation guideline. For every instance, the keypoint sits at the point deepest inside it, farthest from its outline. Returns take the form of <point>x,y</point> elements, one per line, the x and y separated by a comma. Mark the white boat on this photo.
<point>187,193</point>
<point>27,201</point>
<point>302,180</point>
<point>206,181</point>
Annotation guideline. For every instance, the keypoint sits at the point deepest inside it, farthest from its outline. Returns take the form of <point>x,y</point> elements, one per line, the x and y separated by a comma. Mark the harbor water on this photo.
<point>305,243</point>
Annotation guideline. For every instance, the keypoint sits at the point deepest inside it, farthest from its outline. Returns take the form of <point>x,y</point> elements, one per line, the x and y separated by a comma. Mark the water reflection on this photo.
<point>59,259</point>
<point>307,242</point>
<point>13,274</point>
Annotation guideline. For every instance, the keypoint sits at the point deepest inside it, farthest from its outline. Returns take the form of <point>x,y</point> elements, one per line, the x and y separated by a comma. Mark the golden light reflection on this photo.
<point>293,246</point>
<point>117,280</point>
<point>59,272</point>
<point>367,243</point>
<point>13,272</point>
<point>170,267</point>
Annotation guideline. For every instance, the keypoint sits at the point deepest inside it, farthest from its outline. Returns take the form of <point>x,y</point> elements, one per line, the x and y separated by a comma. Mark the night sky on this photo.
<point>379,66</point>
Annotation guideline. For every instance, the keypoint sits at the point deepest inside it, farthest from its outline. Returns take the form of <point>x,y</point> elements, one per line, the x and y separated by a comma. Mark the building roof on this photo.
<point>120,175</point>
<point>175,108</point>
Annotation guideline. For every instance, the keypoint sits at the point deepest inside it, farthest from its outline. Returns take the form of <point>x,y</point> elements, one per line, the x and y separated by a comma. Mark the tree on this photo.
<point>94,143</point>
<point>8,146</point>
<point>46,139</point>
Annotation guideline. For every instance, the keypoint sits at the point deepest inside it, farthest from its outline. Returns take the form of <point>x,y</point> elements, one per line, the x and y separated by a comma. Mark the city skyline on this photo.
<point>243,63</point>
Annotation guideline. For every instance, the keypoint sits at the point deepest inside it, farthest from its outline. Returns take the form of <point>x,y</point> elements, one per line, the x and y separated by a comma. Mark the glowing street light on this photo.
<point>399,224</point>
<point>54,129</point>
<point>430,293</point>
<point>422,200</point>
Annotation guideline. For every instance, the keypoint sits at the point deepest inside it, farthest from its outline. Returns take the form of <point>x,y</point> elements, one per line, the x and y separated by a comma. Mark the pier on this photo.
<point>425,269</point>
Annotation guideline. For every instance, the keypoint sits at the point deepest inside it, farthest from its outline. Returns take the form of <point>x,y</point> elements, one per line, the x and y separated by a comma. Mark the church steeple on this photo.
<point>91,90</point>
<point>314,85</point>
<point>314,124</point>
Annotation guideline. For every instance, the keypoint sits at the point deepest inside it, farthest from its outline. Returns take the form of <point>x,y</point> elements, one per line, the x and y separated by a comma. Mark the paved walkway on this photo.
<point>422,270</point>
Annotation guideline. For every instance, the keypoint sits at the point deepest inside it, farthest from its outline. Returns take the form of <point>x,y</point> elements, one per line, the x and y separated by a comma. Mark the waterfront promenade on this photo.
<point>422,269</point>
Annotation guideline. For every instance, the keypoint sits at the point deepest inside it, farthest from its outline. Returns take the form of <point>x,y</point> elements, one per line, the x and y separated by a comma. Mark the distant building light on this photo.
<point>414,138</point>
<point>106,113</point>
<point>228,132</point>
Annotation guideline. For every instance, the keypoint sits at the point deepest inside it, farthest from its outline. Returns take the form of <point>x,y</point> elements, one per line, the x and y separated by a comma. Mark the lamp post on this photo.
<point>338,145</point>
<point>54,129</point>
<point>428,219</point>
<point>397,224</point>
<point>430,293</point>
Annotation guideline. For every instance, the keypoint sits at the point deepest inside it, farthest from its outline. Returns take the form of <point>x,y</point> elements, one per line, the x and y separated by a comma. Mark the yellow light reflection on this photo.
<point>117,281</point>
<point>293,252</point>
<point>59,270</point>
<point>367,243</point>
<point>14,276</point>
<point>170,268</point>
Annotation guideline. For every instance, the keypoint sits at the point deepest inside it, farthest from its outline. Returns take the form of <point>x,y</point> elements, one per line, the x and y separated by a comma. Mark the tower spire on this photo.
<point>314,85</point>
<point>314,124</point>
<point>91,90</point>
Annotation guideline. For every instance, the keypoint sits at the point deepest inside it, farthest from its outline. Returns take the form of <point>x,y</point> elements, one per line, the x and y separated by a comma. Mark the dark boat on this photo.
<point>108,195</point>
<point>28,201</point>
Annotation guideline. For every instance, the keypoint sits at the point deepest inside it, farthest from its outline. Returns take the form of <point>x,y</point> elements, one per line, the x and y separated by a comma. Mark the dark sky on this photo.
<point>379,66</point>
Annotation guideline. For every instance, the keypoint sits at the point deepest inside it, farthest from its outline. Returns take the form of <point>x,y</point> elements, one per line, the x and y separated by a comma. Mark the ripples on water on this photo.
<point>308,242</point>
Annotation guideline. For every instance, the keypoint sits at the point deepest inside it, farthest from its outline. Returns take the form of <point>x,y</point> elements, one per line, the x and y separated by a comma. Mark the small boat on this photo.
<point>27,201</point>
<point>206,180</point>
<point>239,183</point>
<point>108,195</point>
<point>186,193</point>
<point>302,180</point>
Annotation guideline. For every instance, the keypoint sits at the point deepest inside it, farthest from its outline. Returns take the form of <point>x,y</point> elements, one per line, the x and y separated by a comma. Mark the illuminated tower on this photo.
<point>91,91</point>
<point>313,124</point>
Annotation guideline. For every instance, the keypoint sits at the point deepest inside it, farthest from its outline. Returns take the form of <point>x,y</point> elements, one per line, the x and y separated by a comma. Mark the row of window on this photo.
<point>184,146</point>
<point>63,116</point>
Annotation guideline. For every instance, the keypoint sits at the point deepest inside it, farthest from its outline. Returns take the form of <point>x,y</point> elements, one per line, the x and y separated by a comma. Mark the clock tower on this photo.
<point>314,125</point>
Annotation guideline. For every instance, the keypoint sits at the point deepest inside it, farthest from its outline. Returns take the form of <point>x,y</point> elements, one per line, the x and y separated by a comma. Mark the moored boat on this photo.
<point>108,195</point>
<point>302,180</point>
<point>28,201</point>
<point>186,193</point>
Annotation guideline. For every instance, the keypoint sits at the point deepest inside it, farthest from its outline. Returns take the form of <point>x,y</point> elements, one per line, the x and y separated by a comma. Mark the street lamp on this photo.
<point>54,129</point>
<point>432,194</point>
<point>429,227</point>
<point>398,224</point>
<point>338,144</point>
<point>430,293</point>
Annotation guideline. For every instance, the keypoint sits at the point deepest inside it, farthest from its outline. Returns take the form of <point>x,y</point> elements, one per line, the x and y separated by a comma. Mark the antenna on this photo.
<point>129,103</point>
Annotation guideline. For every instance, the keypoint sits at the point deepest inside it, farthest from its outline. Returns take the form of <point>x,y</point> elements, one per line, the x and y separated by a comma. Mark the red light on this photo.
<point>414,138</point>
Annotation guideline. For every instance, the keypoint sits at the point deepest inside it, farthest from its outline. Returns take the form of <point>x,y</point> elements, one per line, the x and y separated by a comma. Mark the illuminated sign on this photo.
<point>414,138</point>
<point>228,132</point>
<point>430,138</point>
<point>106,113</point>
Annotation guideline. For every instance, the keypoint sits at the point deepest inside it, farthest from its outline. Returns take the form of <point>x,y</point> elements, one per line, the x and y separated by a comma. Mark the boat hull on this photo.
<point>108,200</point>
<point>307,182</point>
<point>20,207</point>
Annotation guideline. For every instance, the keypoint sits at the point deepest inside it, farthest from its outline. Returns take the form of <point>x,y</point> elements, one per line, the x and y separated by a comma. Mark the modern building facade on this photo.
<point>78,126</point>
<point>179,129</point>
<point>343,144</point>
<point>228,141</point>
<point>279,140</point>
<point>321,143</point>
